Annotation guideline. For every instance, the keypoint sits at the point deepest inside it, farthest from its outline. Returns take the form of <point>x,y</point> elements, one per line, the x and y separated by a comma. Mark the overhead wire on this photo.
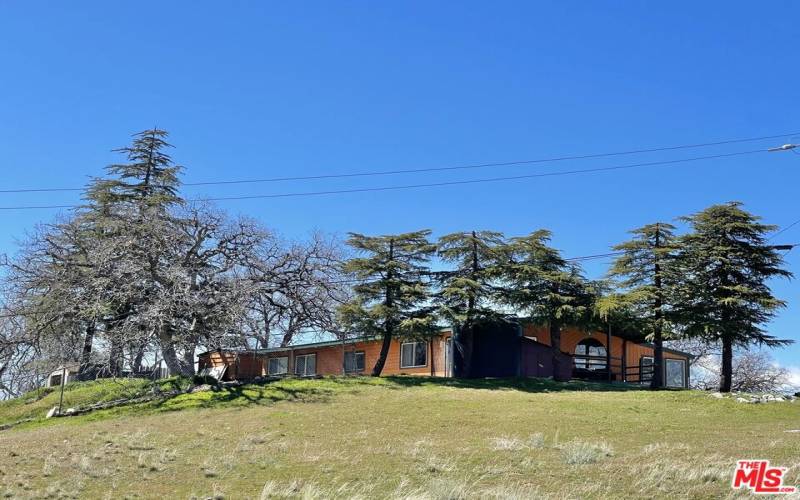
<point>437,184</point>
<point>439,169</point>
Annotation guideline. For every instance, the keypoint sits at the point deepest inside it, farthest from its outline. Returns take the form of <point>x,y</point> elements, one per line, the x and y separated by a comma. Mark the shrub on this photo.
<point>579,452</point>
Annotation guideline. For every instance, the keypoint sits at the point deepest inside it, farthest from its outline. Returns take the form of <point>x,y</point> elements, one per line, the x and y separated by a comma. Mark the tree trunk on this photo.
<point>169,354</point>
<point>466,342</point>
<point>387,342</point>
<point>86,353</point>
<point>657,381</point>
<point>115,356</point>
<point>137,355</point>
<point>388,326</point>
<point>555,347</point>
<point>188,360</point>
<point>466,337</point>
<point>726,375</point>
<point>658,361</point>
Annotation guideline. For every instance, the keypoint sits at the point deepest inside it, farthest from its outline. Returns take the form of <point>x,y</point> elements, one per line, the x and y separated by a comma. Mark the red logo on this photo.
<point>760,478</point>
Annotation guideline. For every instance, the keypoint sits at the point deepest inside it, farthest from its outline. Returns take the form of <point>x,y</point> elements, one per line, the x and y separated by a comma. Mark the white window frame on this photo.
<point>683,372</point>
<point>402,366</point>
<point>305,364</point>
<point>269,365</point>
<point>355,357</point>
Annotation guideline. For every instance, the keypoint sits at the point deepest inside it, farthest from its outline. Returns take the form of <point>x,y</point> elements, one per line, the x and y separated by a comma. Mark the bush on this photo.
<point>579,452</point>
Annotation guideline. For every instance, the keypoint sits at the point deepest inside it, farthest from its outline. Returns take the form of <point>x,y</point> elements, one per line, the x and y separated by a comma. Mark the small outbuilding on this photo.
<point>62,375</point>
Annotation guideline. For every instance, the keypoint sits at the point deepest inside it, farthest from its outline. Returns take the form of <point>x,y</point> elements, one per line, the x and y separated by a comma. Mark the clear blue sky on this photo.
<point>263,89</point>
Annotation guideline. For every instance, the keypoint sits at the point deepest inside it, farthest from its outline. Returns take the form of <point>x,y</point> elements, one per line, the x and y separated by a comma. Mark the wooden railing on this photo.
<point>610,368</point>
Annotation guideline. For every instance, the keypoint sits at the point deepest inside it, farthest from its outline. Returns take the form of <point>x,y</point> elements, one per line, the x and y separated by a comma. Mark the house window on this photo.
<point>278,366</point>
<point>354,361</point>
<point>413,354</point>
<point>646,369</point>
<point>590,354</point>
<point>675,370</point>
<point>305,365</point>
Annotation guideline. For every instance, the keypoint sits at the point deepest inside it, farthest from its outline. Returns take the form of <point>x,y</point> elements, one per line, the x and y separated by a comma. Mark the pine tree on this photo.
<point>129,214</point>
<point>647,277</point>
<point>393,299</point>
<point>541,284</point>
<point>727,263</point>
<point>150,176</point>
<point>466,292</point>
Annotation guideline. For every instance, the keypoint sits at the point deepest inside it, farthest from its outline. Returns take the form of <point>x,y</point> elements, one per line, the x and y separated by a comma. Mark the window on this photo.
<point>646,365</point>
<point>590,354</point>
<point>305,365</point>
<point>354,361</point>
<point>675,372</point>
<point>413,354</point>
<point>278,366</point>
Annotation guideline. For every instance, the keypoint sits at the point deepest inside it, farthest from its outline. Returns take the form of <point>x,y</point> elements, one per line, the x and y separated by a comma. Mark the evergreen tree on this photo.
<point>647,278</point>
<point>150,174</point>
<point>129,215</point>
<point>726,263</point>
<point>467,291</point>
<point>541,284</point>
<point>393,299</point>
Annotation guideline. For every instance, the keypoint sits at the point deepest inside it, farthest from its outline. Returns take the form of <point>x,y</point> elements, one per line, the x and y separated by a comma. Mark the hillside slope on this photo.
<point>395,437</point>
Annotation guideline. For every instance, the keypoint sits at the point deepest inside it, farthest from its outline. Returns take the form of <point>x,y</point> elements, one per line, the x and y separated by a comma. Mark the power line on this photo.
<point>436,184</point>
<point>357,281</point>
<point>785,229</point>
<point>481,181</point>
<point>435,169</point>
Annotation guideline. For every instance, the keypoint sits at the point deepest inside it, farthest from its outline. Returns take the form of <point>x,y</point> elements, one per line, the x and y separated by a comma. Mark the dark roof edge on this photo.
<point>327,343</point>
<point>667,349</point>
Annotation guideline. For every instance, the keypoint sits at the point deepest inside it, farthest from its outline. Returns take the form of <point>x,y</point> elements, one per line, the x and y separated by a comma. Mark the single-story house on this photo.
<point>500,350</point>
<point>358,356</point>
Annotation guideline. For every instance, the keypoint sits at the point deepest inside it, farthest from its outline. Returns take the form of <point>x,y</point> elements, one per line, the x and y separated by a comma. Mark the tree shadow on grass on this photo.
<point>524,384</point>
<point>268,393</point>
<point>245,395</point>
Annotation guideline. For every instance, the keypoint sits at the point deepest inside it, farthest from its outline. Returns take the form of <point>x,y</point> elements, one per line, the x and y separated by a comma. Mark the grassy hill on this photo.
<point>390,437</point>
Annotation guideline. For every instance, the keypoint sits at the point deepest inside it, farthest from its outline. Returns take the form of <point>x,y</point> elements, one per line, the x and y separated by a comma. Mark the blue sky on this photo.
<point>264,89</point>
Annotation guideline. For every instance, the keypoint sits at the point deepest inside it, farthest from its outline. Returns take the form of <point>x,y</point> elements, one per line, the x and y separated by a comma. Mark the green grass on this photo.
<point>398,437</point>
<point>35,404</point>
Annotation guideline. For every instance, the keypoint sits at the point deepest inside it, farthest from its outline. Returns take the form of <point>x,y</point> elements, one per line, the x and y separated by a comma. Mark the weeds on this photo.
<point>579,452</point>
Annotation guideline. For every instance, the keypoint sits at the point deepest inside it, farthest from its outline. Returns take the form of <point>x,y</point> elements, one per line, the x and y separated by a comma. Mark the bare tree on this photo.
<point>753,371</point>
<point>137,270</point>
<point>298,287</point>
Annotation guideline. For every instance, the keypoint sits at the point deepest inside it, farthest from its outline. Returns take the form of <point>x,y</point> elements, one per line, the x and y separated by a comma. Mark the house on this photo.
<point>406,357</point>
<point>523,349</point>
<point>62,375</point>
<point>499,350</point>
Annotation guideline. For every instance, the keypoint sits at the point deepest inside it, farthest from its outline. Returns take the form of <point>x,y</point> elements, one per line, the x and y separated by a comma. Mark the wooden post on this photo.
<point>624,360</point>
<point>433,370</point>
<point>63,382</point>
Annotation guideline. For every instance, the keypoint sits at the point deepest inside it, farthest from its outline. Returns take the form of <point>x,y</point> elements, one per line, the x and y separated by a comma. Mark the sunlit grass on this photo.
<point>398,437</point>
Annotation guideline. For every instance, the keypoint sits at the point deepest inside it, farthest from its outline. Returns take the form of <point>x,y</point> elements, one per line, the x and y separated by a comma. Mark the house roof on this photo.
<point>624,333</point>
<point>70,367</point>
<point>311,345</point>
<point>673,351</point>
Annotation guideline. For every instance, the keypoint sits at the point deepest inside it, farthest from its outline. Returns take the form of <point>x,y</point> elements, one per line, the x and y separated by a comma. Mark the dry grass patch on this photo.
<point>580,452</point>
<point>408,438</point>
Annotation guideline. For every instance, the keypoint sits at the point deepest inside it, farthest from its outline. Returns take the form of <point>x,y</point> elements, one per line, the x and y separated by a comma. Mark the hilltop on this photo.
<point>389,437</point>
